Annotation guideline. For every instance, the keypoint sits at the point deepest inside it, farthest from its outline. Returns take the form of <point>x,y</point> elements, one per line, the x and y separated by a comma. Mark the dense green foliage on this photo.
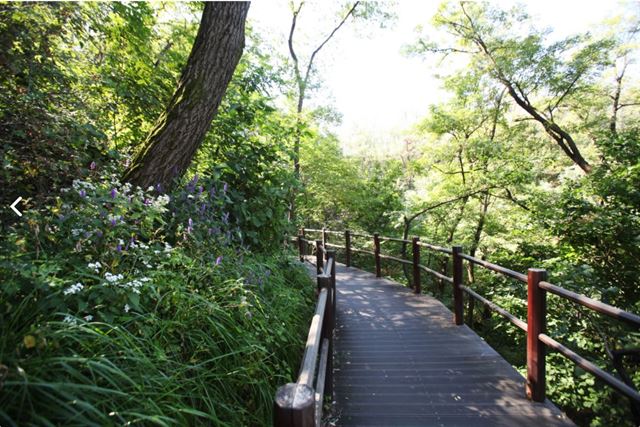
<point>121,304</point>
<point>127,305</point>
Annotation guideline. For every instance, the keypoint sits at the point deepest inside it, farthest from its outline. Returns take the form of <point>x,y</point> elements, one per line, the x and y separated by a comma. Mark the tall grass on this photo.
<point>204,353</point>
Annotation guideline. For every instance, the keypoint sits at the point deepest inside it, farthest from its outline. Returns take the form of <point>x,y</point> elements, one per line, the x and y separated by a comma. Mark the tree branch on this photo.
<point>326,40</point>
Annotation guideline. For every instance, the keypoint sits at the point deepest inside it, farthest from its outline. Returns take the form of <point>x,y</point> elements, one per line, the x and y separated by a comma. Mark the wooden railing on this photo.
<point>535,326</point>
<point>300,404</point>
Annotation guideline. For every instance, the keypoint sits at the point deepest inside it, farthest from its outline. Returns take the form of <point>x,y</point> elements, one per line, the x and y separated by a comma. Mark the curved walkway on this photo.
<point>400,361</point>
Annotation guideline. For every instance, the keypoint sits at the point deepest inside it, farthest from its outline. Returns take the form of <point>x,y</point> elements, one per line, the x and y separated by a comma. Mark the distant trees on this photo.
<point>541,77</point>
<point>179,131</point>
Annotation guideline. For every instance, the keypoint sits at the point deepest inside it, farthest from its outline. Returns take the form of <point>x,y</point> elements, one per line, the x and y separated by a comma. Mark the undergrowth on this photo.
<point>124,306</point>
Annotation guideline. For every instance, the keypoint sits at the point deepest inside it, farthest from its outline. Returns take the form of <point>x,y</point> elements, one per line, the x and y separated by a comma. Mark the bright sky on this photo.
<point>365,76</point>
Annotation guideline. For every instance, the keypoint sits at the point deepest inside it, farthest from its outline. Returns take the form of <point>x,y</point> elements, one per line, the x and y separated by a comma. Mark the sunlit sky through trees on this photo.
<point>364,75</point>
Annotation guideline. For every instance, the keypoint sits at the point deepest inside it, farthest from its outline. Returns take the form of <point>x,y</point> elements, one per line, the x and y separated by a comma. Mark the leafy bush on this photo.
<point>127,305</point>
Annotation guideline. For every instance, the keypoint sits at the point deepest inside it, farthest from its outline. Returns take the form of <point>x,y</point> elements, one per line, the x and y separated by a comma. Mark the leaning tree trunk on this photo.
<point>173,142</point>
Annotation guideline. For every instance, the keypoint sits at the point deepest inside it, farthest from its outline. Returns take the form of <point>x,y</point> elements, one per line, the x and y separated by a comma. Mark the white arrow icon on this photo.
<point>13,206</point>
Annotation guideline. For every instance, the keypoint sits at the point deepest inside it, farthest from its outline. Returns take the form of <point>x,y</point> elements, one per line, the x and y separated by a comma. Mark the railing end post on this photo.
<point>536,325</point>
<point>294,405</point>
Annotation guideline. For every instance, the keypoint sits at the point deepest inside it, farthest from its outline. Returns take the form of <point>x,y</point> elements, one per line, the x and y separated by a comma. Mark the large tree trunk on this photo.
<point>177,135</point>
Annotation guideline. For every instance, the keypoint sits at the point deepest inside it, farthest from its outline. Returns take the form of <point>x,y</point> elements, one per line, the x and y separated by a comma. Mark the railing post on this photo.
<point>324,241</point>
<point>376,252</point>
<point>294,405</point>
<point>416,265</point>
<point>536,325</point>
<point>330,317</point>
<point>301,244</point>
<point>334,271</point>
<point>347,245</point>
<point>457,282</point>
<point>319,257</point>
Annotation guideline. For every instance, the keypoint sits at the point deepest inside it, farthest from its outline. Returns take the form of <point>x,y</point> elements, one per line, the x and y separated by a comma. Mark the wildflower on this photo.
<point>224,187</point>
<point>99,233</point>
<point>158,188</point>
<point>83,193</point>
<point>95,266</point>
<point>126,308</point>
<point>114,193</point>
<point>70,320</point>
<point>219,260</point>
<point>29,341</point>
<point>73,289</point>
<point>92,166</point>
<point>119,248</point>
<point>200,189</point>
<point>161,201</point>
<point>88,318</point>
<point>113,278</point>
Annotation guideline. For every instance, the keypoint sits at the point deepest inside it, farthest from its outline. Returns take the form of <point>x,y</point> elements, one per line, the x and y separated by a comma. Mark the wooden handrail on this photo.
<point>535,327</point>
<point>495,267</point>
<point>504,313</point>
<point>595,305</point>
<point>591,368</point>
<point>435,248</point>
<point>299,404</point>
<point>312,348</point>
<point>394,239</point>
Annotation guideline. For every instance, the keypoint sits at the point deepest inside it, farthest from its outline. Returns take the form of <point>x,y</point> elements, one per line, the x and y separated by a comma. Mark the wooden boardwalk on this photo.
<point>400,361</point>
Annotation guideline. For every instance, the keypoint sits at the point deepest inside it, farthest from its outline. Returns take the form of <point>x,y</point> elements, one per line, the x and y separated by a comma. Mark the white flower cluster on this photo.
<point>70,320</point>
<point>113,278</point>
<point>135,284</point>
<point>126,188</point>
<point>141,245</point>
<point>88,318</point>
<point>126,308</point>
<point>95,266</point>
<point>75,232</point>
<point>161,201</point>
<point>82,185</point>
<point>73,289</point>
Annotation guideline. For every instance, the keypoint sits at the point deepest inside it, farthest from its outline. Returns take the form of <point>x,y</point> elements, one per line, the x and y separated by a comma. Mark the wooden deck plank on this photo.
<point>400,361</point>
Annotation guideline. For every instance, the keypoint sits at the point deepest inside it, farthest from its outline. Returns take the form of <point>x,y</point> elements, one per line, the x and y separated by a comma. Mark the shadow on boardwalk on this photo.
<point>400,361</point>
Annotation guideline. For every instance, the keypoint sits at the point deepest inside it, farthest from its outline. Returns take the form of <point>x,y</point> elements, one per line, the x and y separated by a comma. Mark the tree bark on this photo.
<point>180,130</point>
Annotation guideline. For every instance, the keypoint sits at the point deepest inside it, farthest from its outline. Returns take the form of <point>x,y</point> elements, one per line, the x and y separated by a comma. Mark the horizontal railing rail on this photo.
<point>535,324</point>
<point>300,404</point>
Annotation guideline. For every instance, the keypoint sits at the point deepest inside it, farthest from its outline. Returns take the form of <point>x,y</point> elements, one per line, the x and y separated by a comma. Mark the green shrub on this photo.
<point>122,305</point>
